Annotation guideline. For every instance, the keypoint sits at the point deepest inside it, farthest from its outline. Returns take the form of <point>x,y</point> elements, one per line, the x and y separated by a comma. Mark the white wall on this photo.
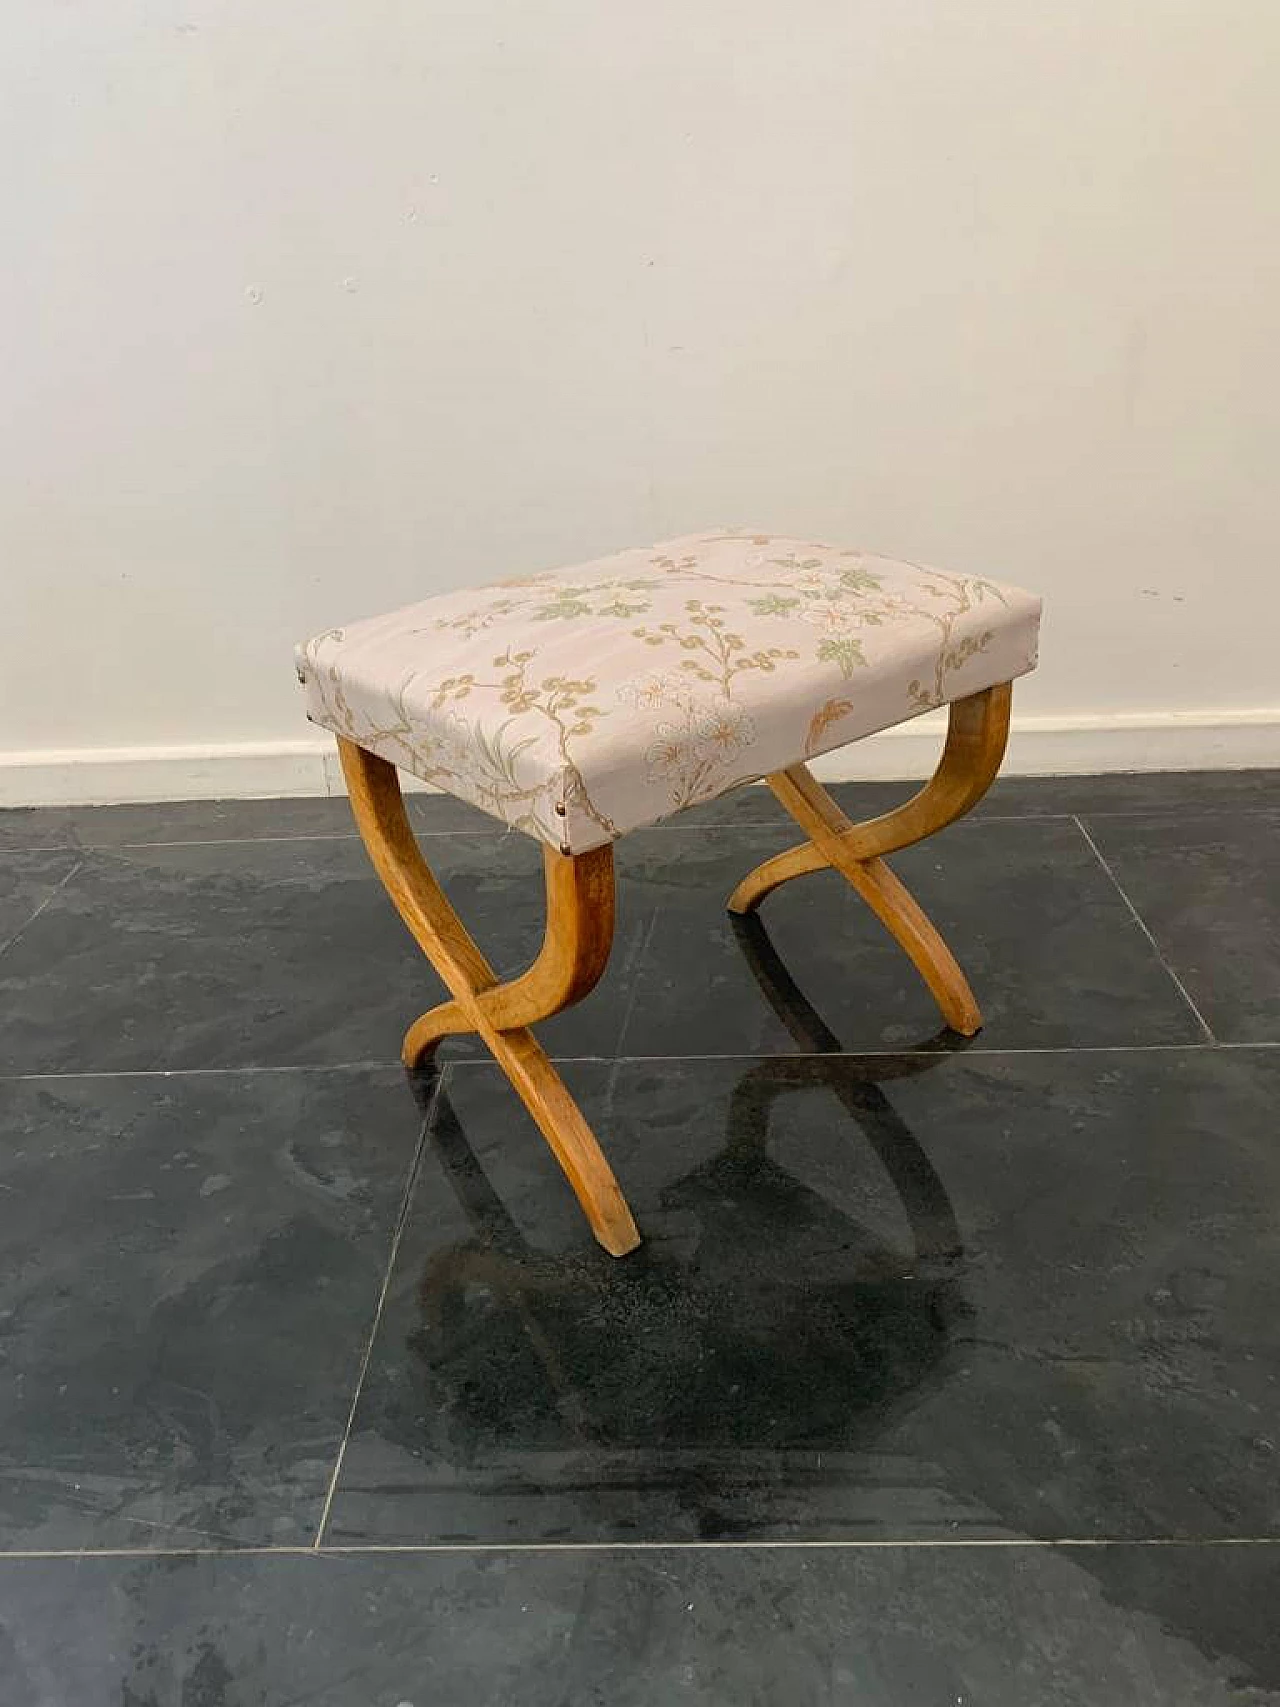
<point>317,306</point>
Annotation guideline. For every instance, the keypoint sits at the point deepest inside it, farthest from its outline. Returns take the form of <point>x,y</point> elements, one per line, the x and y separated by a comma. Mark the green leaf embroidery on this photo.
<point>844,651</point>
<point>773,604</point>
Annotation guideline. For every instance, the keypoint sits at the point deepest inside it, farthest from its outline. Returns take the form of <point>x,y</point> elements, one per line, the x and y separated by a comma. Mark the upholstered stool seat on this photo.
<point>585,702</point>
<point>581,703</point>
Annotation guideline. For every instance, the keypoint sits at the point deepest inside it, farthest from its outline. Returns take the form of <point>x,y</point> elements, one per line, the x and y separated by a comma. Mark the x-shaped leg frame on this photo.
<point>574,952</point>
<point>976,738</point>
<point>579,930</point>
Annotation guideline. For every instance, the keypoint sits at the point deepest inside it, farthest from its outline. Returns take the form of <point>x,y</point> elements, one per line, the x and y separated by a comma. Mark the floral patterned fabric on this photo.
<point>581,703</point>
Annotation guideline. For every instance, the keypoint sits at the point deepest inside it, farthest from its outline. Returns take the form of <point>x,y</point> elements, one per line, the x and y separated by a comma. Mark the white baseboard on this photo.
<point>223,770</point>
<point>1079,745</point>
<point>1040,746</point>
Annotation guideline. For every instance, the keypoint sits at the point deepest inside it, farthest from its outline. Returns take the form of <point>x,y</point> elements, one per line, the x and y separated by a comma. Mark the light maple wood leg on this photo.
<point>976,738</point>
<point>573,955</point>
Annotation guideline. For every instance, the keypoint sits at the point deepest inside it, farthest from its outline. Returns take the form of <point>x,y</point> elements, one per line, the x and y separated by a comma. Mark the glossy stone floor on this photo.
<point>947,1375</point>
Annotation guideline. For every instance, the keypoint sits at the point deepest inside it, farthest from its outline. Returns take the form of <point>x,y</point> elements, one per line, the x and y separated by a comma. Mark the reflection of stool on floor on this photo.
<point>810,1343</point>
<point>580,704</point>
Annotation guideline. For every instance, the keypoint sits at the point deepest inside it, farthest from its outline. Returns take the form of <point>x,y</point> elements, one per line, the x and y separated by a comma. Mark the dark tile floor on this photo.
<point>946,1374</point>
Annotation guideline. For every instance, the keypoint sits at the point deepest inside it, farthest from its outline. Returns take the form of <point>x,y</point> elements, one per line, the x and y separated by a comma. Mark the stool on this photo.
<point>578,704</point>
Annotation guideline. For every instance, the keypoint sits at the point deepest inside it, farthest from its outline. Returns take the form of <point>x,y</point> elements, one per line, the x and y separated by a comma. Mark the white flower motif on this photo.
<point>453,749</point>
<point>648,692</point>
<point>832,616</point>
<point>671,749</point>
<point>726,727</point>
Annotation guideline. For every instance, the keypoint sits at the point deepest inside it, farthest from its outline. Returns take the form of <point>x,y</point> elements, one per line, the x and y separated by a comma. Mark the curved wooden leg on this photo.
<point>579,932</point>
<point>574,954</point>
<point>910,926</point>
<point>772,873</point>
<point>976,738</point>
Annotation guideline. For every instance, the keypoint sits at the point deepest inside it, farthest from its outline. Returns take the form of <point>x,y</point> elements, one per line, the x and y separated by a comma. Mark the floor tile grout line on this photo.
<point>272,841</point>
<point>376,1549</point>
<point>208,1072</point>
<point>496,830</point>
<point>402,1218</point>
<point>51,896</point>
<point>1179,812</point>
<point>939,1542</point>
<point>81,847</point>
<point>634,993</point>
<point>1205,1047</point>
<point>1146,931</point>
